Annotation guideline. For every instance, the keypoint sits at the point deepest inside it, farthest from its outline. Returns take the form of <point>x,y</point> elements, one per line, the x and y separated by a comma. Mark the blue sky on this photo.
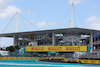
<point>48,14</point>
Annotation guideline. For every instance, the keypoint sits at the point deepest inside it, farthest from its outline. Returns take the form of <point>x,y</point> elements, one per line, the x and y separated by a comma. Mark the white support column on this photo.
<point>1,41</point>
<point>16,22</point>
<point>72,23</point>
<point>15,41</point>
<point>53,39</point>
<point>91,39</point>
<point>72,42</point>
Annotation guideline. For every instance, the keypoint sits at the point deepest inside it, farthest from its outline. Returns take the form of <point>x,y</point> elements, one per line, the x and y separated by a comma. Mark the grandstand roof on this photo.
<point>65,30</point>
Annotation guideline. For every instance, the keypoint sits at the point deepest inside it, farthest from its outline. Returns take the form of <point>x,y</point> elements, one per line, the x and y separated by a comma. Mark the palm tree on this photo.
<point>10,48</point>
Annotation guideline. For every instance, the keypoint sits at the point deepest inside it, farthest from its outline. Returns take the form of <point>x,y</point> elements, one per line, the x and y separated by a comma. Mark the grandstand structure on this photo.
<point>64,41</point>
<point>55,37</point>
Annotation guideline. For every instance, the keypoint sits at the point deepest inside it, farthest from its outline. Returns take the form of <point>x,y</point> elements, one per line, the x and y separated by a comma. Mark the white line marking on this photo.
<point>42,65</point>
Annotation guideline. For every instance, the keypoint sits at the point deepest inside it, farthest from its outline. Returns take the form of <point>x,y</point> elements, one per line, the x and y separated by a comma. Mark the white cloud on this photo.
<point>7,11</point>
<point>3,2</point>
<point>75,1</point>
<point>94,22</point>
<point>91,19</point>
<point>44,24</point>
